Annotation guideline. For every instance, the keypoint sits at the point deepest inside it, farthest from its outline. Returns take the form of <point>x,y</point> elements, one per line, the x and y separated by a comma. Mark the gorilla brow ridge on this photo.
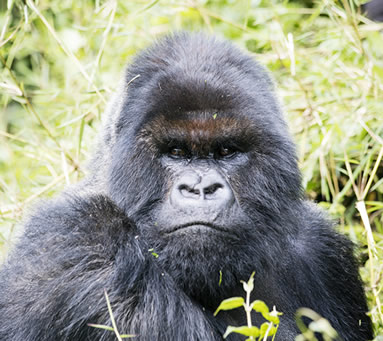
<point>195,131</point>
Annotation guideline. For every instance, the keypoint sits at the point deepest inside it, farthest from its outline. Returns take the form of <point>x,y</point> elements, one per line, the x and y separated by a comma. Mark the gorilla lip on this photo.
<point>197,224</point>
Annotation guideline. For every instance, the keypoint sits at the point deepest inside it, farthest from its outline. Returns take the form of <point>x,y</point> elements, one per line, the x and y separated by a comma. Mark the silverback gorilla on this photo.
<point>195,163</point>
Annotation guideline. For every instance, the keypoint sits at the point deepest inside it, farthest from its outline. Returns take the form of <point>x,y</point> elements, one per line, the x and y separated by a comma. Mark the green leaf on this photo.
<point>272,317</point>
<point>230,303</point>
<point>260,307</point>
<point>265,329</point>
<point>247,331</point>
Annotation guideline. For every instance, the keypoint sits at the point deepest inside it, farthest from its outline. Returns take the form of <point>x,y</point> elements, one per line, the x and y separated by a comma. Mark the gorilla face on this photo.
<point>199,153</point>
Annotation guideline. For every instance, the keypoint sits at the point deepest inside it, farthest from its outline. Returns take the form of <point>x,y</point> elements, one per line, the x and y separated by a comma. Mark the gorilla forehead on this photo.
<point>195,72</point>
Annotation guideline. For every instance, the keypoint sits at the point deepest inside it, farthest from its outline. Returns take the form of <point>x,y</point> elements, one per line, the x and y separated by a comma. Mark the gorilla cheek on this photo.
<point>135,190</point>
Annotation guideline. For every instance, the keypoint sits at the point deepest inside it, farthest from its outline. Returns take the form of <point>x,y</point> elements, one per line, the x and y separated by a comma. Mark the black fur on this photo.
<point>121,229</point>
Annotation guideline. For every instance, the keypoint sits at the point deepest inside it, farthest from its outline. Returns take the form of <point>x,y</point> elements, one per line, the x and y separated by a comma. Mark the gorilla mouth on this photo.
<point>197,226</point>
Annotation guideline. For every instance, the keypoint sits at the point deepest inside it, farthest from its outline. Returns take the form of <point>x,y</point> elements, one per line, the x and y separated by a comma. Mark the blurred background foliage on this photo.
<point>60,61</point>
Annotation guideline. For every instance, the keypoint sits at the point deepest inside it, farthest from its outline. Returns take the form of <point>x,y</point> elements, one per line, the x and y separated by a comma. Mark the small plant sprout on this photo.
<point>268,328</point>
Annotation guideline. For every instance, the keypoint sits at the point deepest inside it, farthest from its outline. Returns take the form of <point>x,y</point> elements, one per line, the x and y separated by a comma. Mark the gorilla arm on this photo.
<point>321,273</point>
<point>72,250</point>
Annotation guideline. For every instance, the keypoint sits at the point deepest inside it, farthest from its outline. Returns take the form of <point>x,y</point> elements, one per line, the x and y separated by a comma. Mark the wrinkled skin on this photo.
<point>195,177</point>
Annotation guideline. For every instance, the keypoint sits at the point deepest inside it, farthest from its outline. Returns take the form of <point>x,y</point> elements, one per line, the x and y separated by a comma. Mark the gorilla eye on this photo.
<point>225,151</point>
<point>177,152</point>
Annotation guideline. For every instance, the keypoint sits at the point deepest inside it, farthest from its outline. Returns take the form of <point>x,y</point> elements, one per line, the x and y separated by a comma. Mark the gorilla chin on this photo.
<point>194,185</point>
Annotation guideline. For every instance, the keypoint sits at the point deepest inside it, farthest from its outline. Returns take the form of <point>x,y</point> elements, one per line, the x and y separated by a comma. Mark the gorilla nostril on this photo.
<point>188,191</point>
<point>212,189</point>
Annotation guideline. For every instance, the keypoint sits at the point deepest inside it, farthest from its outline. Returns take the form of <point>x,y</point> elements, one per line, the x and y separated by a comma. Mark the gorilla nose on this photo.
<point>199,192</point>
<point>201,189</point>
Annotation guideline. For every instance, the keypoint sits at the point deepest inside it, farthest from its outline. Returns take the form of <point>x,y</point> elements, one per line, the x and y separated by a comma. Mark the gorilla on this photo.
<point>193,186</point>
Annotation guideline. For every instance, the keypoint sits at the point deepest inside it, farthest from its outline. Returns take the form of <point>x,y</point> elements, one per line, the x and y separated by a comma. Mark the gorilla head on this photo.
<point>195,164</point>
<point>201,158</point>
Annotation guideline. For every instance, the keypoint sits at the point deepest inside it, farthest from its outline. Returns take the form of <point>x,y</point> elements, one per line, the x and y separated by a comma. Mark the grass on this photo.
<point>60,60</point>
